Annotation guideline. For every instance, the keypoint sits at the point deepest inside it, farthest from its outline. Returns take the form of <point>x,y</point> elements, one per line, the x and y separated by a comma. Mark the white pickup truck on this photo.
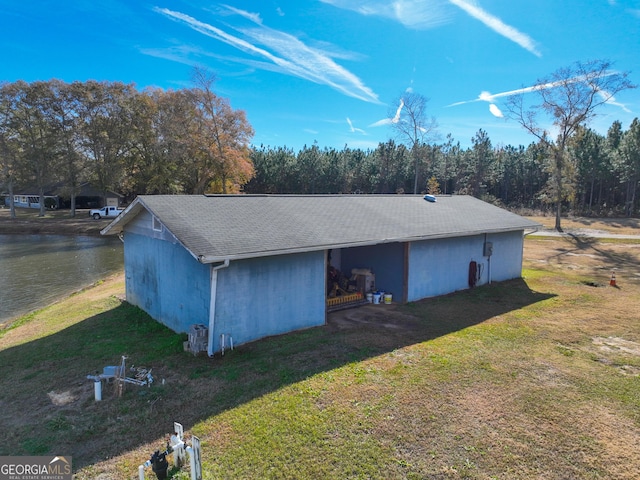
<point>105,212</point>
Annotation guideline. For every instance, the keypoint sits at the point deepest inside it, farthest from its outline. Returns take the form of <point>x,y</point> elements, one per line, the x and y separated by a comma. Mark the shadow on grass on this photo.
<point>608,256</point>
<point>47,404</point>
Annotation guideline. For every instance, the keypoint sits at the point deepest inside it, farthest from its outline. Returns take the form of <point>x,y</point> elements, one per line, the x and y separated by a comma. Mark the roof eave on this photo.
<point>117,225</point>
<point>206,259</point>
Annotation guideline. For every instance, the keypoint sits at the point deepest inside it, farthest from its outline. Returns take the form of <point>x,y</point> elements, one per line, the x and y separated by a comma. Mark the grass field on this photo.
<point>531,378</point>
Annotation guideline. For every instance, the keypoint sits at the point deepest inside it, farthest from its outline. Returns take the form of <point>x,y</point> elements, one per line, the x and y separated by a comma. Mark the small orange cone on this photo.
<point>612,282</point>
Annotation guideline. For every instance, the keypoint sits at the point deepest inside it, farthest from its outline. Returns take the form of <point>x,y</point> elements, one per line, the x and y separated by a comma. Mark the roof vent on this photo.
<point>430,198</point>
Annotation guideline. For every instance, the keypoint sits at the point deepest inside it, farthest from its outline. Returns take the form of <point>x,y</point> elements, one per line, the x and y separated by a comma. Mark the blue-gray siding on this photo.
<point>255,297</point>
<point>166,282</point>
<point>438,267</point>
<point>270,295</point>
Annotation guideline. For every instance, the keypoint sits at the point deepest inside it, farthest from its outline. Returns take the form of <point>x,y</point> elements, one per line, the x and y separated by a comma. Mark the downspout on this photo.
<point>212,303</point>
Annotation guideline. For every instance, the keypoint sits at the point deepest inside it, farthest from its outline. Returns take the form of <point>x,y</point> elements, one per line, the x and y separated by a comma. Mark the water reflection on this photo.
<point>36,270</point>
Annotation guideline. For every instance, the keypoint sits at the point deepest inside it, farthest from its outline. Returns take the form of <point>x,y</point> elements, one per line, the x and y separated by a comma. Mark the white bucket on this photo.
<point>376,298</point>
<point>370,297</point>
<point>387,298</point>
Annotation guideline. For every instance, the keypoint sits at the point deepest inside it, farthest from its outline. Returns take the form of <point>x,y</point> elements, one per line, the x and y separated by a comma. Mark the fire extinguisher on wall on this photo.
<point>475,273</point>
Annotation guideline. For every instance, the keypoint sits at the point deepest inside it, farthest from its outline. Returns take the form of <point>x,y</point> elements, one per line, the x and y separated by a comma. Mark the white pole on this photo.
<point>192,463</point>
<point>97,387</point>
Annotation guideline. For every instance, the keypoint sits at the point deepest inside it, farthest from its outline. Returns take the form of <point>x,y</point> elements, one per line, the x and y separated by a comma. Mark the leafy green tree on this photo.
<point>9,148</point>
<point>629,165</point>
<point>446,164</point>
<point>588,149</point>
<point>274,170</point>
<point>106,130</point>
<point>72,163</point>
<point>481,161</point>
<point>32,126</point>
<point>152,167</point>
<point>310,169</point>
<point>393,166</point>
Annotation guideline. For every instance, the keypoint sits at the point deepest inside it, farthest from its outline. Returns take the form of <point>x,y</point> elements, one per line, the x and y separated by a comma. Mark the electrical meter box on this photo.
<point>488,249</point>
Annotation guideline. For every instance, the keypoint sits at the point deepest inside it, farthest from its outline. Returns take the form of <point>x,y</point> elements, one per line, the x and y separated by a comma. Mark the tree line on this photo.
<point>601,171</point>
<point>191,141</point>
<point>134,142</point>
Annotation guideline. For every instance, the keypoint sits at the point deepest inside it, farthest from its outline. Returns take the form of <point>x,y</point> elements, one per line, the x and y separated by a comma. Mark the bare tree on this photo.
<point>569,99</point>
<point>413,127</point>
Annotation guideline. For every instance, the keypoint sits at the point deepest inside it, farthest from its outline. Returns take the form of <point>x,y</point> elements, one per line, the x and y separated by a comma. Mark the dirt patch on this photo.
<point>618,353</point>
<point>62,398</point>
<point>617,345</point>
<point>381,316</point>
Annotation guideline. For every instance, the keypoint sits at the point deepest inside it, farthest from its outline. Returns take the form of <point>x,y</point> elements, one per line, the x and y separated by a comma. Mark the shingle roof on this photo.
<point>215,228</point>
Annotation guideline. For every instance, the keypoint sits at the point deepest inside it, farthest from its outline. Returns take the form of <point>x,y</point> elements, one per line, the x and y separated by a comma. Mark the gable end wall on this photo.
<point>165,281</point>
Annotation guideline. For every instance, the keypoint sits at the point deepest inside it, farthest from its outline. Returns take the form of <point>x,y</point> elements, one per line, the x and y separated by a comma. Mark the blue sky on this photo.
<point>331,70</point>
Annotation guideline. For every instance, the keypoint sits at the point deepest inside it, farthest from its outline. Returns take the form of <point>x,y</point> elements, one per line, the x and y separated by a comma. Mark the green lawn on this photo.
<point>532,378</point>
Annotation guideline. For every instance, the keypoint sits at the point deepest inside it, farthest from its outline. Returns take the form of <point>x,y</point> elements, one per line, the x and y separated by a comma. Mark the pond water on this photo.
<point>37,270</point>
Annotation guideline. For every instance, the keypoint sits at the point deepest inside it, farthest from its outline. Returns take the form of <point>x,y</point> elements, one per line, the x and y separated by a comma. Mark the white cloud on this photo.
<point>390,121</point>
<point>611,100</point>
<point>381,123</point>
<point>282,52</point>
<point>498,26</point>
<point>352,129</point>
<point>396,117</point>
<point>415,14</point>
<point>254,17</point>
<point>495,111</point>
<point>491,97</point>
<point>424,14</point>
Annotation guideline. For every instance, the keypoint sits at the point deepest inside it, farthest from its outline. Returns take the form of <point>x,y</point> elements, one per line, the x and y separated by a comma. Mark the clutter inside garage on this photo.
<point>352,290</point>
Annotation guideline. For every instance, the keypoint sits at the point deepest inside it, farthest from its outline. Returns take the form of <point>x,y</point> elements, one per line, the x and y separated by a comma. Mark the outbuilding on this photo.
<point>251,266</point>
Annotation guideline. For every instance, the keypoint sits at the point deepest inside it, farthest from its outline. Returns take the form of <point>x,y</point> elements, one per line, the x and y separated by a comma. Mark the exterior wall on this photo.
<point>268,296</point>
<point>163,279</point>
<point>255,298</point>
<point>506,261</point>
<point>31,201</point>
<point>386,261</point>
<point>438,267</point>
